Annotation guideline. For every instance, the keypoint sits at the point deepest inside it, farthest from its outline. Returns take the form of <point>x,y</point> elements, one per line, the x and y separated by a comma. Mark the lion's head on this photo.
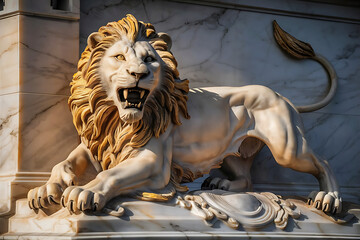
<point>126,91</point>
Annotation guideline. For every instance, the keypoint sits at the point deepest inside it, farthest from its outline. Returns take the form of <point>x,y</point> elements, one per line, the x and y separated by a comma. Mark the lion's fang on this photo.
<point>138,106</point>
<point>142,93</point>
<point>126,103</point>
<point>125,93</point>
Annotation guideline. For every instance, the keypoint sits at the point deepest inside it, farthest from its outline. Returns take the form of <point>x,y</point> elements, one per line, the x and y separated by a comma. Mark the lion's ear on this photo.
<point>166,38</point>
<point>94,39</point>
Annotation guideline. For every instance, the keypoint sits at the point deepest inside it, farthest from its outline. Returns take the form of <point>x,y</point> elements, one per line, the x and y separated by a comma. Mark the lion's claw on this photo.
<point>37,198</point>
<point>215,183</point>
<point>39,203</point>
<point>51,200</point>
<point>326,207</point>
<point>50,193</point>
<point>95,207</point>
<point>63,202</point>
<point>327,202</point>
<point>79,199</point>
<point>71,206</point>
<point>338,205</point>
<point>311,198</point>
<point>31,204</point>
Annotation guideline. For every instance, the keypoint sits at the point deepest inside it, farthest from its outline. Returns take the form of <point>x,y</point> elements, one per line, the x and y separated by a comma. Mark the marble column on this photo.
<point>38,54</point>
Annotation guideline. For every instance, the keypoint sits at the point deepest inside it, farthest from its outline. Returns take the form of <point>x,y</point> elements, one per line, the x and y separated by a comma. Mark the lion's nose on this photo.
<point>138,75</point>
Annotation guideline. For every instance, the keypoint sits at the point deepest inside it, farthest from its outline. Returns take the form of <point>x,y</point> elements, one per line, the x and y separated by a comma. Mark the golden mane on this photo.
<point>96,117</point>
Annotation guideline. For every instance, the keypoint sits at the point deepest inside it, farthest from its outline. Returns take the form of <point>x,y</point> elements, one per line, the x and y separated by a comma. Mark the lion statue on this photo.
<point>144,132</point>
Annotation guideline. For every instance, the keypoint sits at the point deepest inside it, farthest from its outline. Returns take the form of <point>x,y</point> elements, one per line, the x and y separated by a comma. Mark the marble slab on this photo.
<point>9,136</point>
<point>163,221</point>
<point>49,55</point>
<point>47,133</point>
<point>38,56</point>
<point>44,125</point>
<point>9,53</point>
<point>36,133</point>
<point>9,132</point>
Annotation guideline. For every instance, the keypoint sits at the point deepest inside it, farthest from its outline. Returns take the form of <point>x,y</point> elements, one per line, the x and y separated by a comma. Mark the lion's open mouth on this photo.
<point>133,97</point>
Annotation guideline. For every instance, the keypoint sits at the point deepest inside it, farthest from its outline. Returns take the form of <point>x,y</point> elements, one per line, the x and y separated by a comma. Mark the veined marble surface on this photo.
<point>9,132</point>
<point>36,133</point>
<point>9,53</point>
<point>49,55</point>
<point>150,220</point>
<point>342,11</point>
<point>38,56</point>
<point>47,133</point>
<point>217,46</point>
<point>35,72</point>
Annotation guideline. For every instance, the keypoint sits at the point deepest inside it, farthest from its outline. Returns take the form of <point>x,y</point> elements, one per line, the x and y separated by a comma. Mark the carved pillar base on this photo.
<point>15,187</point>
<point>163,221</point>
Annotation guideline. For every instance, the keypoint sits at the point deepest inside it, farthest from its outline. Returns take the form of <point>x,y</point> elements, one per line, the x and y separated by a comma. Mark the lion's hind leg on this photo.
<point>234,174</point>
<point>279,126</point>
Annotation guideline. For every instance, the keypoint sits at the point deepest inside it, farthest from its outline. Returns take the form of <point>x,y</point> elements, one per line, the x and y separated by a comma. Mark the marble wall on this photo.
<point>230,43</point>
<point>38,55</point>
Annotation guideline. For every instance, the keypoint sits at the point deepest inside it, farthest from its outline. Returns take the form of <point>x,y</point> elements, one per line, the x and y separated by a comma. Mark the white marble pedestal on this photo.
<point>165,221</point>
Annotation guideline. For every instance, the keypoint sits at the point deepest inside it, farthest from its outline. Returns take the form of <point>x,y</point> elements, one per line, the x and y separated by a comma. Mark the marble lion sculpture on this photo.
<point>143,131</point>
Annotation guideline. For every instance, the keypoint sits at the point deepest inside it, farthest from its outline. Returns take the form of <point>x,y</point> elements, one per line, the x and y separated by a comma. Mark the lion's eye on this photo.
<point>120,57</point>
<point>149,59</point>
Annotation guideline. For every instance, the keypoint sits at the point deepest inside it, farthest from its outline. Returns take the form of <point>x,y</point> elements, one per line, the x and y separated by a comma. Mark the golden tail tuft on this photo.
<point>291,45</point>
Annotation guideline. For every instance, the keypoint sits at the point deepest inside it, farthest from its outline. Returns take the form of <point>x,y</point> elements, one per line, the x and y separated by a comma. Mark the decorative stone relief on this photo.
<point>251,210</point>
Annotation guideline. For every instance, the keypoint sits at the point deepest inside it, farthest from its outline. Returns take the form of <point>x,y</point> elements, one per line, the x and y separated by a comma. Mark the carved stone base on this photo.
<point>172,220</point>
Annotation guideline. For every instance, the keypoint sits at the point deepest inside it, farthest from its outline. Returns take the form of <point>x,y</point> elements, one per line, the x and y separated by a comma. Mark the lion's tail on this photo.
<point>302,50</point>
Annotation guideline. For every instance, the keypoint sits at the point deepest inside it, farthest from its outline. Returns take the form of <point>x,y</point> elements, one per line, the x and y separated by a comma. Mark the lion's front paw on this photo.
<point>329,202</point>
<point>44,196</point>
<point>78,199</point>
